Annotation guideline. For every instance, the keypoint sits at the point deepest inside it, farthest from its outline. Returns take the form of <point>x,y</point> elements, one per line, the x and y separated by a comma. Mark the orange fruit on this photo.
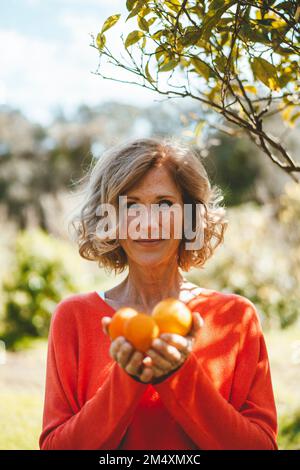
<point>140,330</point>
<point>172,316</point>
<point>119,318</point>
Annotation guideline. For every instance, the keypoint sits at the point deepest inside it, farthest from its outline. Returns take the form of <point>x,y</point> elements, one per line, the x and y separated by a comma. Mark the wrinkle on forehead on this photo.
<point>156,181</point>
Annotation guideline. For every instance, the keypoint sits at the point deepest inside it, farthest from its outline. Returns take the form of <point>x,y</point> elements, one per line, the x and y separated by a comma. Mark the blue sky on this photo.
<point>46,61</point>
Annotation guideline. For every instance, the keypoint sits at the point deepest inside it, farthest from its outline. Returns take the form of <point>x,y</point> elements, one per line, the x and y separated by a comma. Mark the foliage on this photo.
<point>289,215</point>
<point>239,58</point>
<point>254,262</point>
<point>289,437</point>
<point>34,164</point>
<point>234,166</point>
<point>42,274</point>
<point>38,164</point>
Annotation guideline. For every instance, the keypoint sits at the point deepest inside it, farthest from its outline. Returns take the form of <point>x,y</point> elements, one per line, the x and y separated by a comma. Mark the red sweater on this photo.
<point>220,398</point>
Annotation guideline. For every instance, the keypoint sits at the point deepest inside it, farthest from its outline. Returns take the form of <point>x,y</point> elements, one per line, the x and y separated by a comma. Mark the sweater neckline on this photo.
<point>190,303</point>
<point>102,301</point>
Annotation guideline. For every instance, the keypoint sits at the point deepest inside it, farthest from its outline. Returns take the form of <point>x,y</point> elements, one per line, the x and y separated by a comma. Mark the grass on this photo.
<point>22,397</point>
<point>21,420</point>
<point>284,354</point>
<point>22,392</point>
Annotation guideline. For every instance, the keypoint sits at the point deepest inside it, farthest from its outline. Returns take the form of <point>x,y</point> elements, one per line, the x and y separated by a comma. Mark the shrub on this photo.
<point>257,260</point>
<point>289,432</point>
<point>43,273</point>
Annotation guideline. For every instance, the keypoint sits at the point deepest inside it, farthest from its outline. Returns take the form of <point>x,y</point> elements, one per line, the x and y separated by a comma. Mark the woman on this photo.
<point>210,390</point>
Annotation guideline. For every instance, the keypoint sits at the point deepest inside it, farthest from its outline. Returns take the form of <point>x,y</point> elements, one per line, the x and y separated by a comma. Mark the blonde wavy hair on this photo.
<point>118,169</point>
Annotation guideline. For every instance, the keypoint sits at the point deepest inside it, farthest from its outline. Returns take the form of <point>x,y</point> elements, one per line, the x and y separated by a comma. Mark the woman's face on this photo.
<point>156,187</point>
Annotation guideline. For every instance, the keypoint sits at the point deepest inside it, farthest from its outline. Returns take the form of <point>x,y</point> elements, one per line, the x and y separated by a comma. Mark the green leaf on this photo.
<point>159,52</point>
<point>148,75</point>
<point>168,65</point>
<point>111,20</point>
<point>199,127</point>
<point>284,79</point>
<point>100,41</point>
<point>265,72</point>
<point>191,35</point>
<point>151,20</point>
<point>201,67</point>
<point>211,19</point>
<point>143,24</point>
<point>173,5</point>
<point>224,38</point>
<point>295,117</point>
<point>136,9</point>
<point>145,11</point>
<point>250,89</point>
<point>157,34</point>
<point>216,4</point>
<point>197,10</point>
<point>133,37</point>
<point>284,6</point>
<point>221,63</point>
<point>130,4</point>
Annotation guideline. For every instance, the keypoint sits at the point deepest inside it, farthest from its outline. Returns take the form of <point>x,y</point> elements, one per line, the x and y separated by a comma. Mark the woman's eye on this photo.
<point>130,204</point>
<point>165,203</point>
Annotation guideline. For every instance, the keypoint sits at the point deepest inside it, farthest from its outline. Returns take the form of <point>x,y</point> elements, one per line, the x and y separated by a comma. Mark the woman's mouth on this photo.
<point>146,242</point>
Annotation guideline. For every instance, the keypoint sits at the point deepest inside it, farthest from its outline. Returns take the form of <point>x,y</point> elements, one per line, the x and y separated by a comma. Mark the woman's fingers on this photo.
<point>142,367</point>
<point>177,341</point>
<point>146,375</point>
<point>147,361</point>
<point>159,361</point>
<point>166,350</point>
<point>105,322</point>
<point>156,371</point>
<point>124,353</point>
<point>115,345</point>
<point>134,365</point>
<point>172,349</point>
<point>131,360</point>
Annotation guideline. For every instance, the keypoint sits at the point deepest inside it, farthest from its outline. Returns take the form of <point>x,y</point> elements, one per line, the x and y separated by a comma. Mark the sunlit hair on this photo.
<point>118,169</point>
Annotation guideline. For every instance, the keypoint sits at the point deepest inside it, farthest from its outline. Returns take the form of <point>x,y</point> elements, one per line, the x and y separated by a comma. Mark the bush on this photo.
<point>289,432</point>
<point>234,165</point>
<point>42,274</point>
<point>257,260</point>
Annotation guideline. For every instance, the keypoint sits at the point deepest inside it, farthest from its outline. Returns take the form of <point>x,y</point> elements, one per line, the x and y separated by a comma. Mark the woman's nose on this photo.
<point>150,223</point>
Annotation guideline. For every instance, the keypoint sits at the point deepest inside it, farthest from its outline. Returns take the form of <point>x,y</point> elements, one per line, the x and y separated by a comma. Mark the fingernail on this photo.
<point>156,342</point>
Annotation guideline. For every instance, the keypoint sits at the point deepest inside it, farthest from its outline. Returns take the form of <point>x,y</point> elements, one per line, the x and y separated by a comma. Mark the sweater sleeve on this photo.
<point>249,420</point>
<point>103,420</point>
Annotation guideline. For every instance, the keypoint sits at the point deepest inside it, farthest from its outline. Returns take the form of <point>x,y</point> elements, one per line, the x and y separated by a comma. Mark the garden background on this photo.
<point>55,118</point>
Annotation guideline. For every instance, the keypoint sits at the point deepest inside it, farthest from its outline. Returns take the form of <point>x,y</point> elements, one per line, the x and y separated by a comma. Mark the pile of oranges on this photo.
<point>168,316</point>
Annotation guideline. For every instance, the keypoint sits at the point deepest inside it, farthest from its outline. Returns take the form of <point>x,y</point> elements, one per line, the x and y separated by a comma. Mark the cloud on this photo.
<point>38,75</point>
<point>85,3</point>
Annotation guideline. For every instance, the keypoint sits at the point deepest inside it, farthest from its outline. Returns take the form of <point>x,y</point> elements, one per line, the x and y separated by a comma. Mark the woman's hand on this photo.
<point>130,359</point>
<point>170,350</point>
